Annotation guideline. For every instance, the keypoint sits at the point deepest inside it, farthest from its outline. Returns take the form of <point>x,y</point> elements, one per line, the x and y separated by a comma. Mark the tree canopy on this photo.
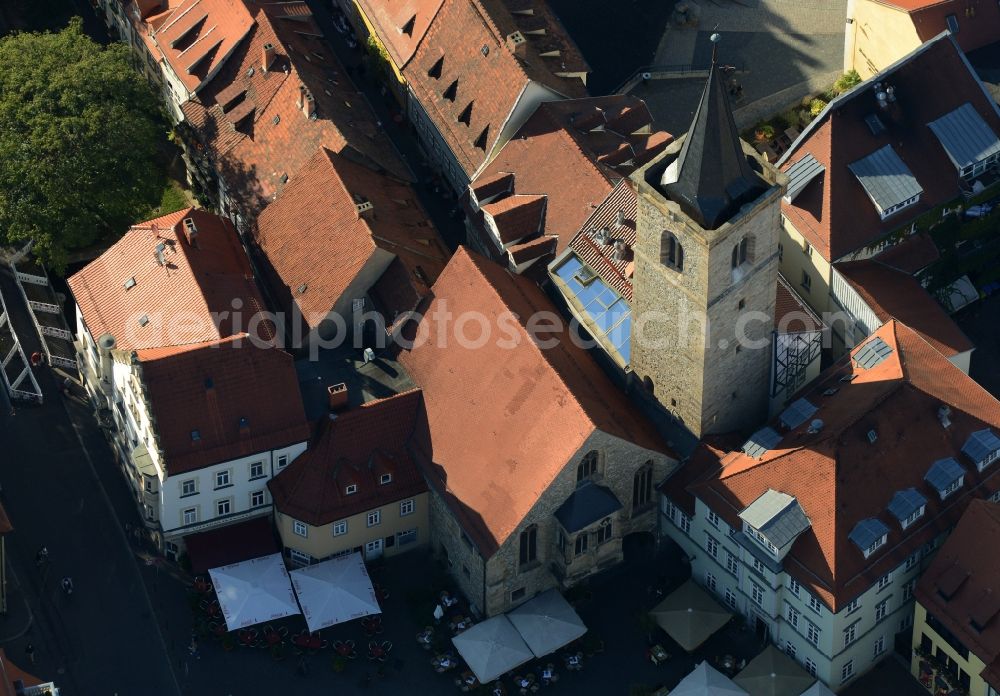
<point>79,131</point>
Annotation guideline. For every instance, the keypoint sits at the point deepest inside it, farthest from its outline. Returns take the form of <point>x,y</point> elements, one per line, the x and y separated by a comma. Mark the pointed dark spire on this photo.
<point>712,178</point>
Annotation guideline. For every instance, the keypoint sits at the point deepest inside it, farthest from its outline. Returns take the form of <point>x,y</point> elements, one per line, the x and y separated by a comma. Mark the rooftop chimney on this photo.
<point>517,44</point>
<point>160,258</point>
<point>191,231</point>
<point>620,219</point>
<point>815,426</point>
<point>621,252</point>
<point>306,102</point>
<point>337,394</point>
<point>268,57</point>
<point>943,415</point>
<point>603,236</point>
<point>365,209</point>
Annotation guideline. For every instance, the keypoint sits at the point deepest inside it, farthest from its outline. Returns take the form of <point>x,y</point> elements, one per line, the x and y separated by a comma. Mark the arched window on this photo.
<point>528,552</point>
<point>671,251</point>
<point>740,252</point>
<point>587,468</point>
<point>642,486</point>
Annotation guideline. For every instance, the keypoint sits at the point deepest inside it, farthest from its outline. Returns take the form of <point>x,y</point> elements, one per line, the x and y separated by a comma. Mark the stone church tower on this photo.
<point>706,268</point>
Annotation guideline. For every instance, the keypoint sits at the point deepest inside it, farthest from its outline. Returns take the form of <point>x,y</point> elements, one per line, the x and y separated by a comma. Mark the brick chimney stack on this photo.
<point>268,57</point>
<point>306,102</point>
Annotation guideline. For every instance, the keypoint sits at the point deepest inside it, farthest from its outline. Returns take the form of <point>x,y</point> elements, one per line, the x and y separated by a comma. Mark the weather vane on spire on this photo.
<point>715,39</point>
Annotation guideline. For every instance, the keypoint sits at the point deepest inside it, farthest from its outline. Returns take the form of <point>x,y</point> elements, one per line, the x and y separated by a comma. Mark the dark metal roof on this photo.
<point>965,136</point>
<point>800,174</point>
<point>943,473</point>
<point>905,503</point>
<point>886,178</point>
<point>797,413</point>
<point>867,532</point>
<point>778,516</point>
<point>760,442</point>
<point>588,504</point>
<point>980,445</point>
<point>712,178</point>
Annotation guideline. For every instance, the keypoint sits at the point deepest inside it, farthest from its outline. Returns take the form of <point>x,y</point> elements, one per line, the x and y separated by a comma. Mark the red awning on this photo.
<point>231,544</point>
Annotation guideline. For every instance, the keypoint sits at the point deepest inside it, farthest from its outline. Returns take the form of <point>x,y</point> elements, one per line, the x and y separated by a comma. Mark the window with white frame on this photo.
<point>222,478</point>
<point>812,632</point>
<point>794,586</point>
<point>847,671</point>
<point>952,487</point>
<point>340,528</point>
<point>385,478</point>
<point>912,560</point>
<point>904,623</point>
<point>223,507</point>
<point>685,523</point>
<point>732,563</point>
<point>710,581</point>
<point>758,565</point>
<point>712,545</point>
<point>300,528</point>
<point>913,516</point>
<point>282,461</point>
<point>883,582</point>
<point>189,487</point>
<point>881,609</point>
<point>879,646</point>
<point>874,546</point>
<point>790,649</point>
<point>256,498</point>
<point>810,667</point>
<point>256,470</point>
<point>299,558</point>
<point>853,605</point>
<point>757,592</point>
<point>730,598</point>
<point>892,209</point>
<point>713,519</point>
<point>908,589</point>
<point>190,515</point>
<point>406,508</point>
<point>850,634</point>
<point>815,604</point>
<point>792,615</point>
<point>407,537</point>
<point>759,537</point>
<point>374,518</point>
<point>351,490</point>
<point>995,497</point>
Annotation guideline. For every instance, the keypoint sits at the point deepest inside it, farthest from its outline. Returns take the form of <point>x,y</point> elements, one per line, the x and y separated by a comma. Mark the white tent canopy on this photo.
<point>707,681</point>
<point>547,623</point>
<point>818,689</point>
<point>254,591</point>
<point>492,648</point>
<point>335,591</point>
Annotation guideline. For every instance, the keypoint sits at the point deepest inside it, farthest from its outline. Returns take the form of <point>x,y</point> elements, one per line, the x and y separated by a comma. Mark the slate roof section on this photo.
<point>867,532</point>
<point>840,478</point>
<point>586,505</point>
<point>977,599</point>
<point>242,399</point>
<point>965,136</point>
<point>357,447</point>
<point>778,516</point>
<point>314,236</point>
<point>504,422</point>
<point>886,178</point>
<point>943,473</point>
<point>891,293</point>
<point>800,173</point>
<point>834,213</point>
<point>711,178</point>
<point>198,284</point>
<point>767,438</point>
<point>905,502</point>
<point>981,445</point>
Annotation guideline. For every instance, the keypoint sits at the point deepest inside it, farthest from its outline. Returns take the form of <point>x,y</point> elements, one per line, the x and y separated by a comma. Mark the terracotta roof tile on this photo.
<point>127,283</point>
<point>975,29</point>
<point>356,447</point>
<point>503,422</point>
<point>314,236</point>
<point>621,203</point>
<point>791,313</point>
<point>211,388</point>
<point>914,254</point>
<point>392,22</point>
<point>833,212</point>
<point>517,216</point>
<point>537,248</point>
<point>892,293</point>
<point>839,477</point>
<point>12,673</point>
<point>978,597</point>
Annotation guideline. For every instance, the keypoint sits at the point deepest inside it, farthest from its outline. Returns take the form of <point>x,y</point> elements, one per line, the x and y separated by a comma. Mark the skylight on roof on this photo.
<point>868,535</point>
<point>872,353</point>
<point>761,441</point>
<point>797,413</point>
<point>982,447</point>
<point>129,284</point>
<point>605,313</point>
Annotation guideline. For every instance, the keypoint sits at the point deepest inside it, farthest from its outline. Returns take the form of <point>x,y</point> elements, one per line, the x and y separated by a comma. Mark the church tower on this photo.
<point>706,269</point>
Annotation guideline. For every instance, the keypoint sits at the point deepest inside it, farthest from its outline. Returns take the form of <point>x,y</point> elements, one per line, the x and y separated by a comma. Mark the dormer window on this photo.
<point>351,490</point>
<point>887,180</point>
<point>983,448</point>
<point>946,476</point>
<point>385,478</point>
<point>908,506</point>
<point>774,520</point>
<point>869,535</point>
<point>759,537</point>
<point>435,70</point>
<point>452,91</point>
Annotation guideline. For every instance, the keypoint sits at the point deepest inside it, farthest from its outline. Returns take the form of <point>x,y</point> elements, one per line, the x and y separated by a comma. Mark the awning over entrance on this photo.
<point>254,591</point>
<point>690,616</point>
<point>492,648</point>
<point>773,673</point>
<point>335,591</point>
<point>547,623</point>
<point>230,544</point>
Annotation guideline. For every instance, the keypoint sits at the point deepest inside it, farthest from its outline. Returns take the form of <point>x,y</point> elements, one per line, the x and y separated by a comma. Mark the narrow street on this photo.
<point>62,489</point>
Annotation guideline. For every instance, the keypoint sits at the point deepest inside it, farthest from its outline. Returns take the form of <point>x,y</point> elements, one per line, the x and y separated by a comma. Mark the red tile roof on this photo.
<point>211,388</point>
<point>914,254</point>
<point>505,418</point>
<point>357,447</point>
<point>892,293</point>
<point>233,543</point>
<point>833,212</point>
<point>196,36</point>
<point>978,596</point>
<point>314,236</point>
<point>978,20</point>
<point>181,300</point>
<point>517,216</point>
<point>481,76</point>
<point>791,313</point>
<point>273,138</point>
<point>400,25</point>
<point>562,152</point>
<point>621,203</point>
<point>840,478</point>
<point>10,673</point>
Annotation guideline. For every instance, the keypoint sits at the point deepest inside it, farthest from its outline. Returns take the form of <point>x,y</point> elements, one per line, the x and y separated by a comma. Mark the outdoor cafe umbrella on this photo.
<point>704,680</point>
<point>817,689</point>
<point>773,673</point>
<point>492,648</point>
<point>335,591</point>
<point>547,623</point>
<point>254,591</point>
<point>690,616</point>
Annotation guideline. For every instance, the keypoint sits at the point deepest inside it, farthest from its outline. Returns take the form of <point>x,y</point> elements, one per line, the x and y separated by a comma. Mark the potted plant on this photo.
<point>764,133</point>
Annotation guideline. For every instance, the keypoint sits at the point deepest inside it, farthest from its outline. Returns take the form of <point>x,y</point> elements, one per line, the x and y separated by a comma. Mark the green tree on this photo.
<point>79,131</point>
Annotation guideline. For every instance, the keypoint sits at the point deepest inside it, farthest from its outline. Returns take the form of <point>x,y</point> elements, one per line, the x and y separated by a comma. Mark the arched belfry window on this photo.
<point>671,251</point>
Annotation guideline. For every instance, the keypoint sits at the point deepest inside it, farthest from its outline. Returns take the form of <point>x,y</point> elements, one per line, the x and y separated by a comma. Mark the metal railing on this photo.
<point>662,72</point>
<point>45,333</point>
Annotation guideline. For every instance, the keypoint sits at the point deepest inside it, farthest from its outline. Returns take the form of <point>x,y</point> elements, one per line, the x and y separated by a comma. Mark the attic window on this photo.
<point>485,50</point>
<point>452,91</point>
<point>435,70</point>
<point>129,284</point>
<point>352,489</point>
<point>276,120</point>
<point>143,320</point>
<point>983,448</point>
<point>408,27</point>
<point>195,435</point>
<point>466,115</point>
<point>481,140</point>
<point>301,289</point>
<point>872,436</point>
<point>250,72</point>
<point>385,478</point>
<point>284,178</point>
<point>244,423</point>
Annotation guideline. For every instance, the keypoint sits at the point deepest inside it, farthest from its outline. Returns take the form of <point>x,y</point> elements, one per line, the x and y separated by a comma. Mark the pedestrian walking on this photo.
<point>29,650</point>
<point>41,556</point>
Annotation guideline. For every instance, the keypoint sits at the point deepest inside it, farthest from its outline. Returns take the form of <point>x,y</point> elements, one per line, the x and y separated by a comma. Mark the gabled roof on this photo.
<point>711,178</point>
<point>317,242</point>
<point>125,291</point>
<point>250,123</point>
<point>357,447</point>
<point>833,212</point>
<point>840,477</point>
<point>969,610</point>
<point>791,313</point>
<point>892,293</point>
<point>240,397</point>
<point>400,25</point>
<point>478,70</point>
<point>506,417</point>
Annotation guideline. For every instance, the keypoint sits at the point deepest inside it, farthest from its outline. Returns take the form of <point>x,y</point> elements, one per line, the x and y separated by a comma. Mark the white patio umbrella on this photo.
<point>335,591</point>
<point>254,591</point>
<point>492,648</point>
<point>706,681</point>
<point>547,623</point>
